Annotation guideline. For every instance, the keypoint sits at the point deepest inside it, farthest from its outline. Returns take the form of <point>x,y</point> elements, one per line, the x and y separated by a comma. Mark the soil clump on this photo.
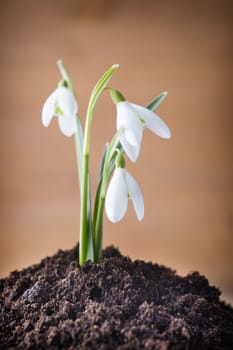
<point>117,304</point>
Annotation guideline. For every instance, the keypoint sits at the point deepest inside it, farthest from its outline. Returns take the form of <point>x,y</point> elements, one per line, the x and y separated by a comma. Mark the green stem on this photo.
<point>78,137</point>
<point>99,230</point>
<point>83,240</point>
<point>100,196</point>
<point>84,227</point>
<point>97,195</point>
<point>110,151</point>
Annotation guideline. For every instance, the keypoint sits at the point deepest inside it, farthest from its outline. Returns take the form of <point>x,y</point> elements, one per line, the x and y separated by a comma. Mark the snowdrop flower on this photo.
<point>62,104</point>
<point>133,119</point>
<point>121,188</point>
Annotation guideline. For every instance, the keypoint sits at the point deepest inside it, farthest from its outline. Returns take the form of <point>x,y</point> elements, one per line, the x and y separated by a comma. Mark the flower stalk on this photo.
<point>96,93</point>
<point>116,186</point>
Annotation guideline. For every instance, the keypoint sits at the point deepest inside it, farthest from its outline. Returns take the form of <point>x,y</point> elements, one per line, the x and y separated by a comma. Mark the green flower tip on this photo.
<point>120,161</point>
<point>63,83</point>
<point>116,96</point>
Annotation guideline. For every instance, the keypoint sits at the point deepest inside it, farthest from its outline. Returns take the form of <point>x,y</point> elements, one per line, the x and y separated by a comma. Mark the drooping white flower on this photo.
<point>133,119</point>
<point>121,188</point>
<point>62,104</point>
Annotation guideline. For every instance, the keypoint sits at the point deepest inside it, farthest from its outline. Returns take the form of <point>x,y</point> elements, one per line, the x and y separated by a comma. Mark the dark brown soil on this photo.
<point>118,304</point>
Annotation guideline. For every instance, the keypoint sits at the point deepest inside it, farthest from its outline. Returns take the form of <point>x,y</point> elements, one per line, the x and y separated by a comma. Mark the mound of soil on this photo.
<point>118,304</point>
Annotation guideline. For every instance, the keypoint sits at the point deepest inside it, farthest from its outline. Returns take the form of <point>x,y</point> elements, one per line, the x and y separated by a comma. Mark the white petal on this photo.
<point>136,195</point>
<point>49,109</point>
<point>67,102</point>
<point>128,119</point>
<point>153,122</point>
<point>117,196</point>
<point>131,151</point>
<point>67,124</point>
<point>130,137</point>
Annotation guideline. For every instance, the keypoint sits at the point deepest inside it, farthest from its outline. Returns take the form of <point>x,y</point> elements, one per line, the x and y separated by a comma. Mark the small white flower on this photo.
<point>133,119</point>
<point>62,104</point>
<point>121,188</point>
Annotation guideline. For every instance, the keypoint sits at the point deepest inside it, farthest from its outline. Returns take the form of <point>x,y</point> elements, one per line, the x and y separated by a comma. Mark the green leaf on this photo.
<point>79,146</point>
<point>97,196</point>
<point>103,160</point>
<point>100,86</point>
<point>85,225</point>
<point>156,102</point>
<point>90,244</point>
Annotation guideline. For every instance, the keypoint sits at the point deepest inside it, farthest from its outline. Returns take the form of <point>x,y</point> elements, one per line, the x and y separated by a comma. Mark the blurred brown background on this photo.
<point>183,47</point>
